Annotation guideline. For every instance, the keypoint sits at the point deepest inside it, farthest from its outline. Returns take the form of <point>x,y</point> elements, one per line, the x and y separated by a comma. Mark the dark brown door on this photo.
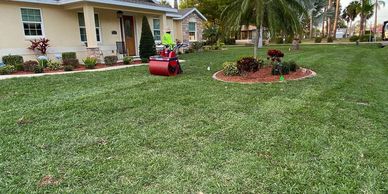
<point>129,32</point>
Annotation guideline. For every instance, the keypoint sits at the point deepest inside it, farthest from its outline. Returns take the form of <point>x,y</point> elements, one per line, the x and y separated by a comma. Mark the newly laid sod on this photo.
<point>128,131</point>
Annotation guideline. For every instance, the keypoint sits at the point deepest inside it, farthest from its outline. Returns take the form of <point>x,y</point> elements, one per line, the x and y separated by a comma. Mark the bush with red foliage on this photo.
<point>248,64</point>
<point>275,55</point>
<point>41,45</point>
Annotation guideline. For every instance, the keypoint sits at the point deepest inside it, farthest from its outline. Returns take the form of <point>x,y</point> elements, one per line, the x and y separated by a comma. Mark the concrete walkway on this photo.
<point>3,77</point>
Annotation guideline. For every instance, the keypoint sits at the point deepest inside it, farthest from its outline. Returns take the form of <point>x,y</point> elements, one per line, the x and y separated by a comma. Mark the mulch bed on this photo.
<point>79,68</point>
<point>264,75</point>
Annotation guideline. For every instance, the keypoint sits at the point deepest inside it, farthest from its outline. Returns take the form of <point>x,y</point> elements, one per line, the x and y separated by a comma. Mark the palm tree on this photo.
<point>351,12</point>
<point>314,10</point>
<point>275,15</point>
<point>377,5</point>
<point>366,11</point>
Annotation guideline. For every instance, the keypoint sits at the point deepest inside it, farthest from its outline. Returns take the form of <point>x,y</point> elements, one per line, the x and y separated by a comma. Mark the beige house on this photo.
<point>90,27</point>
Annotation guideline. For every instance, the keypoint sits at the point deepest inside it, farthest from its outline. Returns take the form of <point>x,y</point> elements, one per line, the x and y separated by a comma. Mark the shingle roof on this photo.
<point>145,2</point>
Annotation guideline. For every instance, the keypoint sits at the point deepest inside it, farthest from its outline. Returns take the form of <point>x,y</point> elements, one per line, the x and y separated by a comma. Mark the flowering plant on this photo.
<point>275,55</point>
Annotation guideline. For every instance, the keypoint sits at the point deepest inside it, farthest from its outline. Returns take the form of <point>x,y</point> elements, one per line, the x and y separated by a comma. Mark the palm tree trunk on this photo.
<point>323,22</point>
<point>261,37</point>
<point>375,27</point>
<point>329,22</point>
<point>311,26</point>
<point>256,42</point>
<point>336,18</point>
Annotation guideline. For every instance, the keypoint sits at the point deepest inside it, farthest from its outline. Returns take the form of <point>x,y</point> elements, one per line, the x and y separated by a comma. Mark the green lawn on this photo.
<point>128,131</point>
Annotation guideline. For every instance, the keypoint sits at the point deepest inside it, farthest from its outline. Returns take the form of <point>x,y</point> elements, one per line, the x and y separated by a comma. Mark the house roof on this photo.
<point>143,4</point>
<point>183,13</point>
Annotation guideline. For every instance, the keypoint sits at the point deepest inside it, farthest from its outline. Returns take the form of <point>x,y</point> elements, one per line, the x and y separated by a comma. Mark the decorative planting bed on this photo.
<point>252,70</point>
<point>264,76</point>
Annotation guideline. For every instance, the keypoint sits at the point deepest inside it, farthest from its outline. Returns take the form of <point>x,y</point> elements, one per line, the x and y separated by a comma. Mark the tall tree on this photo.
<point>350,13</point>
<point>275,15</point>
<point>147,42</point>
<point>366,12</point>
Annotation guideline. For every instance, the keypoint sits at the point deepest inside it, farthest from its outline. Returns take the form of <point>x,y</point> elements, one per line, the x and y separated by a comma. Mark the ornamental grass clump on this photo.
<point>90,62</point>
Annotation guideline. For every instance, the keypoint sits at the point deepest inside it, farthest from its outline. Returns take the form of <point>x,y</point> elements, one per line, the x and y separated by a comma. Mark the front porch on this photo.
<point>113,30</point>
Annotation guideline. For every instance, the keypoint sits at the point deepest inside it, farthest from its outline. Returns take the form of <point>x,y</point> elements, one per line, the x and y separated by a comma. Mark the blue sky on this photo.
<point>382,13</point>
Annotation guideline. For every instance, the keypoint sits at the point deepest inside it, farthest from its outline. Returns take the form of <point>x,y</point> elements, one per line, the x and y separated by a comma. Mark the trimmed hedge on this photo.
<point>13,60</point>
<point>110,60</point>
<point>69,55</point>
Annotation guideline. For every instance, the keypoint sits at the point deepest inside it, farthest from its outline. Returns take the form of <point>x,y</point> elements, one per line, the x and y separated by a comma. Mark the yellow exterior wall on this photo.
<point>62,29</point>
<point>177,25</point>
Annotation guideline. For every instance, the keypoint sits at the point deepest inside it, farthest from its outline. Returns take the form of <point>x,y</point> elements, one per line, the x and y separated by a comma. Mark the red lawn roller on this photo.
<point>167,63</point>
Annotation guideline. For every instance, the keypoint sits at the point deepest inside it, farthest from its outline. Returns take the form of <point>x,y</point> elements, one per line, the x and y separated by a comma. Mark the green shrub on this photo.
<point>38,68</point>
<point>30,65</point>
<point>330,39</point>
<point>279,40</point>
<point>110,60</point>
<point>43,62</point>
<point>69,55</point>
<point>128,60</point>
<point>230,69</point>
<point>366,38</point>
<point>293,66</point>
<point>318,39</point>
<point>145,60</point>
<point>90,62</point>
<point>196,46</point>
<point>12,60</point>
<point>19,67</point>
<point>354,38</point>
<point>71,62</point>
<point>54,65</point>
<point>248,64</point>
<point>68,68</point>
<point>289,39</point>
<point>147,43</point>
<point>230,41</point>
<point>7,69</point>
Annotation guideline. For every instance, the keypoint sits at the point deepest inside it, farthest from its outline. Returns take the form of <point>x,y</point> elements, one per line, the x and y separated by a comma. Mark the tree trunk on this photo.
<point>329,21</point>
<point>260,37</point>
<point>375,27</point>
<point>362,18</point>
<point>256,42</point>
<point>336,18</point>
<point>311,26</point>
<point>323,22</point>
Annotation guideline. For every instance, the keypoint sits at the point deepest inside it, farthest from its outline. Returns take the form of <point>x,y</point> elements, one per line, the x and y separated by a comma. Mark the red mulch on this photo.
<point>79,68</point>
<point>264,75</point>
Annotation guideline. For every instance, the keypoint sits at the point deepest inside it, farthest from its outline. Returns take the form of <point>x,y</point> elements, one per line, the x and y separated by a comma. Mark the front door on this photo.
<point>129,32</point>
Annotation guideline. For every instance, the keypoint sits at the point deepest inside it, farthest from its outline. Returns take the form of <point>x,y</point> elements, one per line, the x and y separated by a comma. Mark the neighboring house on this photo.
<point>187,25</point>
<point>247,35</point>
<point>90,27</point>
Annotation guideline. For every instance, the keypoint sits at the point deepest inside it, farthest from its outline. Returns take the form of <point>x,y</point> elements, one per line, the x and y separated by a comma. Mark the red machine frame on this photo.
<point>167,63</point>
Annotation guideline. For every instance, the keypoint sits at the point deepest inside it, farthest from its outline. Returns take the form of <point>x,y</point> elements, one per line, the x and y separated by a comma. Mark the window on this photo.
<point>250,35</point>
<point>156,23</point>
<point>82,28</point>
<point>32,22</point>
<point>244,35</point>
<point>192,31</point>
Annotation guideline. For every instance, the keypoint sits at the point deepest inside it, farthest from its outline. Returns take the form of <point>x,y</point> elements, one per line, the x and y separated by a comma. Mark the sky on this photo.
<point>382,14</point>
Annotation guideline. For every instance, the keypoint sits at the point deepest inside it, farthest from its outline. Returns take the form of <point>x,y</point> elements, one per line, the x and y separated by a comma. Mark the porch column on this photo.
<point>163,24</point>
<point>91,35</point>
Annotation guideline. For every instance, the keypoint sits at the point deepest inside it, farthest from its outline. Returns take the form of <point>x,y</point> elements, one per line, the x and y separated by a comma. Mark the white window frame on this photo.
<point>195,35</point>
<point>29,37</point>
<point>99,28</point>
<point>153,30</point>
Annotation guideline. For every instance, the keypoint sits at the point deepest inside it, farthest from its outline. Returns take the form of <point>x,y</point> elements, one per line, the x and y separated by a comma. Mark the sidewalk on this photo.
<point>3,77</point>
